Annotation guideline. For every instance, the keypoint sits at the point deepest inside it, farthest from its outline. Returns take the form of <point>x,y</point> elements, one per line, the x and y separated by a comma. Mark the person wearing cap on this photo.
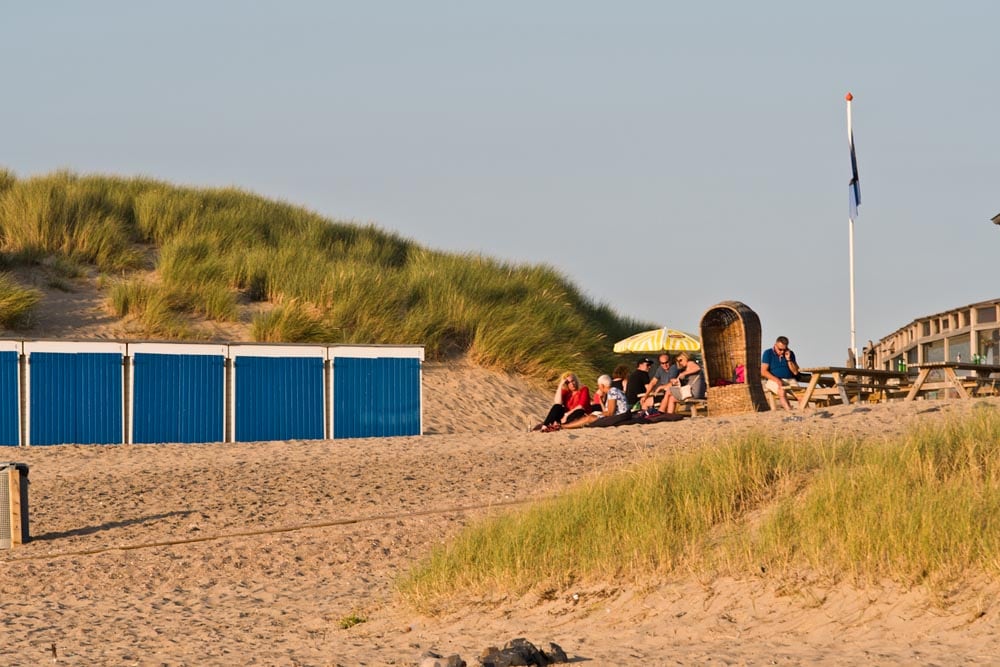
<point>638,381</point>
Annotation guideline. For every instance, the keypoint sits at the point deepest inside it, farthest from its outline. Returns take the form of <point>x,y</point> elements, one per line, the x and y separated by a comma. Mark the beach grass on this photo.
<point>151,305</point>
<point>211,251</point>
<point>921,509</point>
<point>925,509</point>
<point>16,301</point>
<point>291,321</point>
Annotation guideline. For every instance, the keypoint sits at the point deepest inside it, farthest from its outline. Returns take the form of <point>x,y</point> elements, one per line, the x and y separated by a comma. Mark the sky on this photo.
<point>662,156</point>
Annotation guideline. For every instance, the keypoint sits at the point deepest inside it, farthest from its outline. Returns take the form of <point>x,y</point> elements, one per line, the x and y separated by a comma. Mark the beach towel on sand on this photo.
<point>663,417</point>
<point>612,420</point>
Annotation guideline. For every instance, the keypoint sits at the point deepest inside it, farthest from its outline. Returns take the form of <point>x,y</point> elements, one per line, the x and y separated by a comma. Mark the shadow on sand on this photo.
<point>89,530</point>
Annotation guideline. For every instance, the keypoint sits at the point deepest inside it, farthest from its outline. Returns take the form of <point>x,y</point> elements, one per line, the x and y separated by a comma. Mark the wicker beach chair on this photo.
<point>730,335</point>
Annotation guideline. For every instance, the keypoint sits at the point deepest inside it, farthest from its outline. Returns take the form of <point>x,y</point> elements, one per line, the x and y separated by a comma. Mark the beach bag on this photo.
<point>681,393</point>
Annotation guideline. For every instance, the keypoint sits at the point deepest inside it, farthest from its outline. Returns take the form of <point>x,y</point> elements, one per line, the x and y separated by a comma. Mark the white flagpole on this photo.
<point>850,234</point>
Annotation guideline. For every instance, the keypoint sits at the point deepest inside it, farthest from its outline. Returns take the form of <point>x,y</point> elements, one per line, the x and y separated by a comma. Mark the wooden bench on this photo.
<point>793,392</point>
<point>850,385</point>
<point>688,405</point>
<point>693,406</point>
<point>949,383</point>
<point>986,387</point>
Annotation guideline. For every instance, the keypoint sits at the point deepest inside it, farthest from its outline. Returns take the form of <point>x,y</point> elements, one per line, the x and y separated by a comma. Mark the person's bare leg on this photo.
<point>581,422</point>
<point>783,398</point>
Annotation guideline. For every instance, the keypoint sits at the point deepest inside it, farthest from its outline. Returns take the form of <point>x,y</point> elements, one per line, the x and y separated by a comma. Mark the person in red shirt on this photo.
<point>571,402</point>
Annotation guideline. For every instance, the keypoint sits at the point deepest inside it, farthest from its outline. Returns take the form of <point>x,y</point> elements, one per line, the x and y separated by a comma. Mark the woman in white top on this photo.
<point>614,407</point>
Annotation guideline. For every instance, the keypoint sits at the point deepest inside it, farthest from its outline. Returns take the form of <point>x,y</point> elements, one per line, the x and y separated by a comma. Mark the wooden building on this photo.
<point>969,333</point>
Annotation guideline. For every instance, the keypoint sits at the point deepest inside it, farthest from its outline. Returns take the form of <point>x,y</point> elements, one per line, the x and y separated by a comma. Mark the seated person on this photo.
<point>619,376</point>
<point>779,368</point>
<point>689,383</point>
<point>665,371</point>
<point>637,382</point>
<point>613,407</point>
<point>571,402</point>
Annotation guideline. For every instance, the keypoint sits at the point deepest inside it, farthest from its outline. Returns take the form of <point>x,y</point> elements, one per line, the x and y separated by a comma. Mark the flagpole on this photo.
<point>850,236</point>
<point>850,224</point>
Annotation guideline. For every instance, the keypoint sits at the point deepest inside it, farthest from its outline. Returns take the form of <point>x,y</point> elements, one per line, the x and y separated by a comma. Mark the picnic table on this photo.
<point>942,375</point>
<point>842,383</point>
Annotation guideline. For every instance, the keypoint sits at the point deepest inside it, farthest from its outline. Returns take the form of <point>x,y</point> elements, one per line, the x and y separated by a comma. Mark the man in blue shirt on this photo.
<point>665,372</point>
<point>778,367</point>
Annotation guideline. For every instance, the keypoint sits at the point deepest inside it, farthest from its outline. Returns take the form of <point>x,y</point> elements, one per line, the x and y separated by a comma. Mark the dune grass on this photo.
<point>924,509</point>
<point>83,219</point>
<point>920,509</point>
<point>291,321</point>
<point>214,249</point>
<point>16,301</point>
<point>152,306</point>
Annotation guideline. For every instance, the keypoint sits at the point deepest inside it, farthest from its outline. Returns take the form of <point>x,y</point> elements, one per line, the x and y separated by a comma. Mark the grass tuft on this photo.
<point>291,322</point>
<point>149,304</point>
<point>350,620</point>
<point>16,302</point>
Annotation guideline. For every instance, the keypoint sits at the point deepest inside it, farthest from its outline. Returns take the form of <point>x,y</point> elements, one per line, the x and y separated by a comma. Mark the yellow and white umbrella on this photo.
<point>659,340</point>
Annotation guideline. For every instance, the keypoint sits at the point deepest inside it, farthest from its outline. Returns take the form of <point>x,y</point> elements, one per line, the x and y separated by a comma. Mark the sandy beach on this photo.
<point>253,554</point>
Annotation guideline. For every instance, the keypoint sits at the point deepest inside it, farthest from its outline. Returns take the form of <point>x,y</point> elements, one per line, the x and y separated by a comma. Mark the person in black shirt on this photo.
<point>619,377</point>
<point>635,386</point>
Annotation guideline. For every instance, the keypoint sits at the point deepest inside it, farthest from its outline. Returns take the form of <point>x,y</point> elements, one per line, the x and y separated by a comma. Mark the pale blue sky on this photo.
<point>663,156</point>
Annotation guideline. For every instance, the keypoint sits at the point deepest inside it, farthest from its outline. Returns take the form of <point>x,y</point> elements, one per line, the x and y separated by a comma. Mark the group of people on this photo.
<point>646,394</point>
<point>626,397</point>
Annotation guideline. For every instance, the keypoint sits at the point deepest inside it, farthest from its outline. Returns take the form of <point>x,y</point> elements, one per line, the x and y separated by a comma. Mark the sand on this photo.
<point>253,554</point>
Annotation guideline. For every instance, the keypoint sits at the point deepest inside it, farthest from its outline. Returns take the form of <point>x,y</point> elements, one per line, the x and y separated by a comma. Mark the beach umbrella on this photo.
<point>659,340</point>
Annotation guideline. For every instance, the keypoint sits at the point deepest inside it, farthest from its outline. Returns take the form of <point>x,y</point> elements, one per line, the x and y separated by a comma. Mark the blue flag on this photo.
<point>854,185</point>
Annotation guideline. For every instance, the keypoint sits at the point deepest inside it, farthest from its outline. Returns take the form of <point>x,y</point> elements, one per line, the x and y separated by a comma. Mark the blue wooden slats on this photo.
<point>10,405</point>
<point>75,398</point>
<point>178,398</point>
<point>278,398</point>
<point>375,397</point>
